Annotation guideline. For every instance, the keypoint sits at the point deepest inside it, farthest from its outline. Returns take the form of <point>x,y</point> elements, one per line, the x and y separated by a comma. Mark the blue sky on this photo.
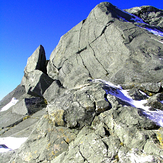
<point>25,24</point>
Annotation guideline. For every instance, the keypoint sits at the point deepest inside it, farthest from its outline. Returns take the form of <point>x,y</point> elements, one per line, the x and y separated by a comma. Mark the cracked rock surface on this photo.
<point>66,118</point>
<point>120,51</point>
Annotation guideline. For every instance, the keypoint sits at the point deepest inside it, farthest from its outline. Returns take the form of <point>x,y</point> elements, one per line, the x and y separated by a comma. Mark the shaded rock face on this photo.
<point>78,107</point>
<point>35,78</point>
<point>36,82</point>
<point>37,61</point>
<point>68,117</point>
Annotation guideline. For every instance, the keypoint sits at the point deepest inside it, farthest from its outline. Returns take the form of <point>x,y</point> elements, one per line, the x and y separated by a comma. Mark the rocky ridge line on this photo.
<point>67,118</point>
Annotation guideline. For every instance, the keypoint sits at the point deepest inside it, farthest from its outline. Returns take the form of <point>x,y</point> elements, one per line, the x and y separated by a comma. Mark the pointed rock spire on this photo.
<point>37,61</point>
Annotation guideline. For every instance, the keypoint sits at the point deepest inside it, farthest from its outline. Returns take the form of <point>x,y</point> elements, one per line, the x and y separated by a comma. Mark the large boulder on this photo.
<point>36,82</point>
<point>77,107</point>
<point>110,45</point>
<point>37,61</point>
<point>35,78</point>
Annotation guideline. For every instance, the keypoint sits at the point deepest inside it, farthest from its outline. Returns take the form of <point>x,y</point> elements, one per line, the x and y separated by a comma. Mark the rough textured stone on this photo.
<point>17,93</point>
<point>37,61</point>
<point>53,91</point>
<point>25,127</point>
<point>81,122</point>
<point>37,82</point>
<point>45,142</point>
<point>119,51</point>
<point>77,107</point>
<point>29,106</point>
<point>9,119</point>
<point>149,14</point>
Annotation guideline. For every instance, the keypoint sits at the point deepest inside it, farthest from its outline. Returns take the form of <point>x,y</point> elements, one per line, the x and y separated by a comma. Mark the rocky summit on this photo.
<point>99,99</point>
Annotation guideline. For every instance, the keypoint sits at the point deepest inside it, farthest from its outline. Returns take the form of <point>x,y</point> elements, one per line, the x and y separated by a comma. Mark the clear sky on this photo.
<point>25,24</point>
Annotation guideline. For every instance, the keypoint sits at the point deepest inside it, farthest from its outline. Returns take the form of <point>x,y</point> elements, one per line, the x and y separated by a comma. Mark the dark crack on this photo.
<point>80,37</point>
<point>107,147</point>
<point>79,51</point>
<point>66,141</point>
<point>85,66</point>
<point>107,133</point>
<point>107,73</point>
<point>85,159</point>
<point>62,64</point>
<point>103,31</point>
<point>58,82</point>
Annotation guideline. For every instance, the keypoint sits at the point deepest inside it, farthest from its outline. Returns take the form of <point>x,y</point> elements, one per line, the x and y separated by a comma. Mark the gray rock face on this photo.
<point>149,14</point>
<point>17,93</point>
<point>69,117</point>
<point>36,82</point>
<point>77,107</point>
<point>37,61</point>
<point>28,106</point>
<point>105,46</point>
<point>45,142</point>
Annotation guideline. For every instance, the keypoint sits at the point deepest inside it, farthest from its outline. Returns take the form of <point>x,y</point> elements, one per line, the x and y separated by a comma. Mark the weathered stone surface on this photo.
<point>77,107</point>
<point>105,46</point>
<point>17,93</point>
<point>29,106</point>
<point>25,127</point>
<point>37,61</point>
<point>116,136</point>
<point>149,14</point>
<point>37,82</point>
<point>45,142</point>
<point>9,119</point>
<point>82,122</point>
<point>53,91</point>
<point>5,157</point>
<point>152,87</point>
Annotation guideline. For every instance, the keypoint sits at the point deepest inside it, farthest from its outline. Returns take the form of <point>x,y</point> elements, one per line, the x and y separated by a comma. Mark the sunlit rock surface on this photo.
<point>98,99</point>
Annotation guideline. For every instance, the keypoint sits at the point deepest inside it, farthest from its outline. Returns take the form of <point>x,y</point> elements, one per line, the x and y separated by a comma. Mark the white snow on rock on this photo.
<point>11,143</point>
<point>117,91</point>
<point>135,158</point>
<point>11,103</point>
<point>155,31</point>
<point>136,19</point>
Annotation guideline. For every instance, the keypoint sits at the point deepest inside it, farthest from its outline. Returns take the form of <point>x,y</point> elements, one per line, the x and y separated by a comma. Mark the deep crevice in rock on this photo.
<point>82,155</point>
<point>107,133</point>
<point>107,147</point>
<point>85,67</point>
<point>103,31</point>
<point>79,51</point>
<point>98,60</point>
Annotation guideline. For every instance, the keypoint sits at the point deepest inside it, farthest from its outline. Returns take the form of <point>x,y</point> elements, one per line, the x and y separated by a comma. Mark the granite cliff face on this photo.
<point>99,97</point>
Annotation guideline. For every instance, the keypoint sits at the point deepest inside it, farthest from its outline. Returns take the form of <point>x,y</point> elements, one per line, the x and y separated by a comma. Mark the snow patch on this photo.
<point>117,91</point>
<point>11,143</point>
<point>11,103</point>
<point>136,19</point>
<point>155,31</point>
<point>135,158</point>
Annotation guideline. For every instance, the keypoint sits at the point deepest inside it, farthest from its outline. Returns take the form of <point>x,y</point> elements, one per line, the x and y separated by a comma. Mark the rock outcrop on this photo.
<point>37,61</point>
<point>148,14</point>
<point>110,45</point>
<point>99,97</point>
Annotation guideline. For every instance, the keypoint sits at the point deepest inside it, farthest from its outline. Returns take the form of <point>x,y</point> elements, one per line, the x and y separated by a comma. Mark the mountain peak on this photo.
<point>98,99</point>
